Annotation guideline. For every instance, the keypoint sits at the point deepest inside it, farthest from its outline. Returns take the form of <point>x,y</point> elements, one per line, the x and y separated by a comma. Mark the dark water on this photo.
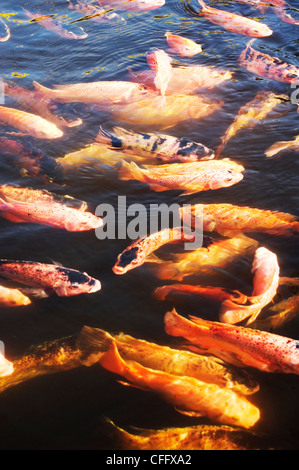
<point>66,410</point>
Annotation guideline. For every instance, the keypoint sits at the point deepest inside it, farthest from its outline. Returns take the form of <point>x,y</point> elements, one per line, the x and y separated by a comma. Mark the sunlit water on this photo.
<point>66,409</point>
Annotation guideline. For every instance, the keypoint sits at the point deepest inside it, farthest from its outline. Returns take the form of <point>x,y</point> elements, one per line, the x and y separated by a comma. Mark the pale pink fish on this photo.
<point>160,62</point>
<point>49,23</point>
<point>235,23</point>
<point>279,7</point>
<point>133,5</point>
<point>265,283</point>
<point>4,31</point>
<point>94,12</point>
<point>182,46</point>
<point>6,366</point>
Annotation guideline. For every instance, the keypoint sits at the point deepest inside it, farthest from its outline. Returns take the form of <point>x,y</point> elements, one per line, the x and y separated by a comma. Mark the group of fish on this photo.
<point>208,374</point>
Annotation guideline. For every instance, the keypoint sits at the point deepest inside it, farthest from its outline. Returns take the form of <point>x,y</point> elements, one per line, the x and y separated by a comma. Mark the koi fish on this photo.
<point>94,12</point>
<point>92,342</point>
<point>4,31</point>
<point>231,220</point>
<point>135,254</point>
<point>278,147</point>
<point>279,7</point>
<point>238,345</point>
<point>102,92</point>
<point>267,66</point>
<point>186,79</point>
<point>29,123</point>
<point>49,278</point>
<point>12,297</point>
<point>250,114</point>
<point>44,211</point>
<point>265,268</point>
<point>235,23</point>
<point>49,23</point>
<point>33,161</point>
<point>219,294</point>
<point>6,366</point>
<point>133,5</point>
<point>190,177</point>
<point>188,395</point>
<point>203,260</point>
<point>160,62</point>
<point>184,47</point>
<point>279,314</point>
<point>165,148</point>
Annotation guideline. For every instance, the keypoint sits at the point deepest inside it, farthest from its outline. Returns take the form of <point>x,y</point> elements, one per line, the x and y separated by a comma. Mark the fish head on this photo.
<point>127,260</point>
<point>75,283</point>
<point>261,31</point>
<point>83,221</point>
<point>231,177</point>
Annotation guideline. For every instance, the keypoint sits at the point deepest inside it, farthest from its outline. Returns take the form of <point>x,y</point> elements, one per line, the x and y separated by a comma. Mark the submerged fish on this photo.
<point>231,220</point>
<point>279,314</point>
<point>29,123</point>
<point>94,12</point>
<point>162,147</point>
<point>135,254</point>
<point>49,278</point>
<point>133,5</point>
<point>12,297</point>
<point>280,146</point>
<point>251,114</point>
<point>188,395</point>
<point>238,345</point>
<point>189,177</point>
<point>265,268</point>
<point>267,66</point>
<point>6,366</point>
<point>219,294</point>
<point>4,31</point>
<point>160,63</point>
<point>235,23</point>
<point>51,24</point>
<point>182,46</point>
<point>92,342</point>
<point>101,92</point>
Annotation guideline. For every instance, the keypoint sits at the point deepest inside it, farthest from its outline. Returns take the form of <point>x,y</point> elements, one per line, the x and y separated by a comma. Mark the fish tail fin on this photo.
<point>160,293</point>
<point>276,148</point>
<point>249,44</point>
<point>103,137</point>
<point>130,171</point>
<point>111,359</point>
<point>175,324</point>
<point>92,343</point>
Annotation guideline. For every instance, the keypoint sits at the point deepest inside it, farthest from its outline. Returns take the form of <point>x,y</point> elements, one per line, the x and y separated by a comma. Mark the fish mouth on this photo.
<point>96,286</point>
<point>118,270</point>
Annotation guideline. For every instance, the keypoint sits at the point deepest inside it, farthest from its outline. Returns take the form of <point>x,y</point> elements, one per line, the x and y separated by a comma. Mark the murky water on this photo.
<point>66,410</point>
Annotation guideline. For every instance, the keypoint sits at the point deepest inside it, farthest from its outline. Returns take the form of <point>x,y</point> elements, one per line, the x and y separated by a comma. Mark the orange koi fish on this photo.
<point>219,294</point>
<point>12,297</point>
<point>49,23</point>
<point>29,123</point>
<point>135,254</point>
<point>4,31</point>
<point>231,220</point>
<point>265,268</point>
<point>278,147</point>
<point>160,62</point>
<point>188,395</point>
<point>188,177</point>
<point>235,23</point>
<point>267,66</point>
<point>238,345</point>
<point>92,342</point>
<point>184,47</point>
<point>49,278</point>
<point>6,366</point>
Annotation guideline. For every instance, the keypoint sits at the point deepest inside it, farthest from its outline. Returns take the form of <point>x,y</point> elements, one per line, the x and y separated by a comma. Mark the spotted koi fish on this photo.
<point>267,66</point>
<point>165,148</point>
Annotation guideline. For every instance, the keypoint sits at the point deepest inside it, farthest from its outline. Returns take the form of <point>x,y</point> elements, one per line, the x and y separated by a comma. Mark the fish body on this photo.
<point>265,268</point>
<point>281,146</point>
<point>102,92</point>
<point>4,31</point>
<point>29,123</point>
<point>12,297</point>
<point>184,47</point>
<point>160,63</point>
<point>50,278</point>
<point>190,177</point>
<point>232,220</point>
<point>136,253</point>
<point>267,66</point>
<point>279,314</point>
<point>219,294</point>
<point>242,346</point>
<point>51,24</point>
<point>94,12</point>
<point>162,147</point>
<point>6,366</point>
<point>235,23</point>
<point>188,395</point>
<point>133,5</point>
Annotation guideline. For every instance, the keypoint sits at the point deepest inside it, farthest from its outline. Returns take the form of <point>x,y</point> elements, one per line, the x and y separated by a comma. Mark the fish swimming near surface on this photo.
<point>266,66</point>
<point>160,63</point>
<point>4,31</point>
<point>279,7</point>
<point>49,278</point>
<point>6,366</point>
<point>28,123</point>
<point>161,147</point>
<point>182,46</point>
<point>44,210</point>
<point>94,12</point>
<point>283,145</point>
<point>136,253</point>
<point>238,345</point>
<point>231,220</point>
<point>235,23</point>
<point>133,5</point>
<point>188,177</point>
<point>92,342</point>
<point>12,297</point>
<point>265,268</point>
<point>50,23</point>
<point>188,395</point>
